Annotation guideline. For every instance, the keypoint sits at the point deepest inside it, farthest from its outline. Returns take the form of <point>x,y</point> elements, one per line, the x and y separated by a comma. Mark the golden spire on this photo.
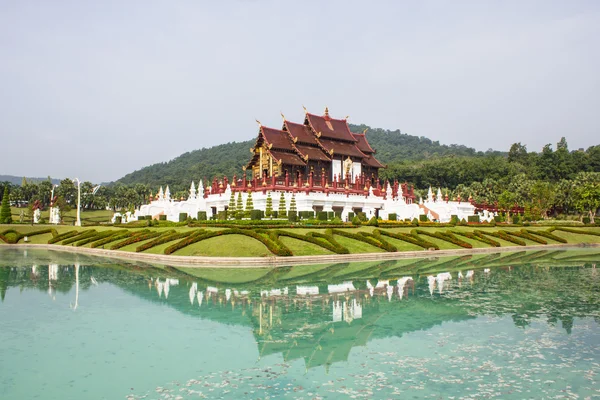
<point>326,111</point>
<point>346,117</point>
<point>305,110</point>
<point>258,122</point>
<point>365,131</point>
<point>282,116</point>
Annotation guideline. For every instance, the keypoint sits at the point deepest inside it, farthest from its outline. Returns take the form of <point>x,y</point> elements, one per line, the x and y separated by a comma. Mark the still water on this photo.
<point>511,326</point>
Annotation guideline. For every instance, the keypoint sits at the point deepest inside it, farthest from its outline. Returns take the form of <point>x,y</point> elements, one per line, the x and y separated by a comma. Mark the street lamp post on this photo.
<point>78,220</point>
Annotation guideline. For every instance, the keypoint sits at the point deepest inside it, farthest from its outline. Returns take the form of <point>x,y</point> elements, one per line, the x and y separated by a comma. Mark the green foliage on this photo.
<point>445,236</point>
<point>373,221</point>
<point>231,208</point>
<point>5,215</point>
<point>256,215</point>
<point>269,206</point>
<point>479,237</point>
<point>423,218</point>
<point>141,236</point>
<point>392,216</point>
<point>239,208</point>
<point>373,240</point>
<point>356,221</point>
<point>293,216</point>
<point>202,216</point>
<point>362,216</point>
<point>323,240</point>
<point>504,236</point>
<point>473,218</point>
<point>162,217</point>
<point>282,209</point>
<point>249,205</point>
<point>547,235</point>
<point>413,239</point>
<point>166,237</point>
<point>322,216</point>
<point>183,217</point>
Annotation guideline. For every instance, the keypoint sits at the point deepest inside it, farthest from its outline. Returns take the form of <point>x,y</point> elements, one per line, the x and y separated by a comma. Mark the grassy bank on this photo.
<point>285,241</point>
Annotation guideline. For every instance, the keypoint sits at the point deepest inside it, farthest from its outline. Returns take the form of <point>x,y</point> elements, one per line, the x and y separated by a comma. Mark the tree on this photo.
<point>231,206</point>
<point>506,200</point>
<point>517,153</point>
<point>239,209</point>
<point>5,216</point>
<point>282,210</point>
<point>249,205</point>
<point>587,193</point>
<point>269,208</point>
<point>293,214</point>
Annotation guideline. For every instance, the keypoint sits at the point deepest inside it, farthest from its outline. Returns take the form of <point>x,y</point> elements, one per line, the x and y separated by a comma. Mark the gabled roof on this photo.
<point>301,132</point>
<point>342,148</point>
<point>313,153</point>
<point>372,162</point>
<point>279,139</point>
<point>287,158</point>
<point>336,129</point>
<point>363,144</point>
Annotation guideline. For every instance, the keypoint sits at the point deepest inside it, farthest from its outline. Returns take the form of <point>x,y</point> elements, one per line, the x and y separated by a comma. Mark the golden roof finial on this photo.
<point>365,131</point>
<point>282,116</point>
<point>305,110</point>
<point>326,111</point>
<point>258,122</point>
<point>346,117</point>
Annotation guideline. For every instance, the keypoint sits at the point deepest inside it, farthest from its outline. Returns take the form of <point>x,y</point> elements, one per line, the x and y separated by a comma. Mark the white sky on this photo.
<point>97,89</point>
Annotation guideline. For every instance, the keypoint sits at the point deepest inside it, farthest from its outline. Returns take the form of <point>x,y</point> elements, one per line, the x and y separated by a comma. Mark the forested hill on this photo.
<point>227,159</point>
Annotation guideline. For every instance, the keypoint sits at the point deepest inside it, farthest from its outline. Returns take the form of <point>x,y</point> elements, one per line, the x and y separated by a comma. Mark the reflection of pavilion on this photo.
<point>320,316</point>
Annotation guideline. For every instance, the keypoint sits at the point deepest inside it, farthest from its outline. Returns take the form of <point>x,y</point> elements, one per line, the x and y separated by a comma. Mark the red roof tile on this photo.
<point>330,128</point>
<point>372,162</point>
<point>279,139</point>
<point>314,153</point>
<point>287,158</point>
<point>343,148</point>
<point>363,144</point>
<point>300,131</point>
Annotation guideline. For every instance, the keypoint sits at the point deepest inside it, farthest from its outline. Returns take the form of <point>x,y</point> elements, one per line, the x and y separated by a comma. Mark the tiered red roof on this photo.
<point>319,138</point>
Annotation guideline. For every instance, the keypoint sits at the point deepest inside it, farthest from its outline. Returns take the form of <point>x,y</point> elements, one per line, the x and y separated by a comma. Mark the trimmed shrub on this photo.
<point>504,236</point>
<point>579,231</point>
<point>373,221</point>
<point>62,237</point>
<point>410,239</point>
<point>162,217</point>
<point>423,218</point>
<point>222,215</point>
<point>118,236</point>
<point>367,238</point>
<point>479,238</point>
<point>118,220</point>
<point>292,216</point>
<point>269,208</point>
<point>5,215</point>
<point>356,221</point>
<point>282,209</point>
<point>473,219</point>
<point>98,236</point>
<point>362,216</point>
<point>525,235</point>
<point>324,241</point>
<point>547,235</point>
<point>586,220</point>
<point>202,216</point>
<point>83,235</point>
<point>134,239</point>
<point>141,218</point>
<point>415,222</point>
<point>322,216</point>
<point>350,216</point>
<point>256,215</point>
<point>454,219</point>
<point>183,217</point>
<point>447,237</point>
<point>164,238</point>
<point>516,219</point>
<point>393,217</point>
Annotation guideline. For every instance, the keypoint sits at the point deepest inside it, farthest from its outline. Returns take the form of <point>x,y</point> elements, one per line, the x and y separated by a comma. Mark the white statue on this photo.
<point>36,216</point>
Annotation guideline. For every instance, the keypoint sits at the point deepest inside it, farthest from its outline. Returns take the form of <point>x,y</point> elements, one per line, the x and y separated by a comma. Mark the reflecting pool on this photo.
<point>506,325</point>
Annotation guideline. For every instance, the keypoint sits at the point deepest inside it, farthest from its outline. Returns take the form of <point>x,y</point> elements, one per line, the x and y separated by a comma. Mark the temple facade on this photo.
<point>322,166</point>
<point>321,147</point>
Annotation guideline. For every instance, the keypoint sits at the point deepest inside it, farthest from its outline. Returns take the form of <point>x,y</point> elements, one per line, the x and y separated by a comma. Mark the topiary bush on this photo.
<point>322,216</point>
<point>256,215</point>
<point>393,217</point>
<point>202,216</point>
<point>183,217</point>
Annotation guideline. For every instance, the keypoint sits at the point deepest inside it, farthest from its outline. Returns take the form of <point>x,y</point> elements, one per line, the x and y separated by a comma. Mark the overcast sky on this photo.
<point>97,89</point>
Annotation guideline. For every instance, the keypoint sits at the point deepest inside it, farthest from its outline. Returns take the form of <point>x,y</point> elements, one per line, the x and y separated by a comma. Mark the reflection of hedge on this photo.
<point>503,236</point>
<point>547,235</point>
<point>416,240</point>
<point>164,238</point>
<point>478,237</point>
<point>524,235</point>
<point>83,235</point>
<point>275,247</point>
<point>367,238</point>
<point>117,236</point>
<point>447,237</point>
<point>134,239</point>
<point>321,240</point>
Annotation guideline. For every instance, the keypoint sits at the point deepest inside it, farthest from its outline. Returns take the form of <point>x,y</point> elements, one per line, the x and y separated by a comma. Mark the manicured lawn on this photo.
<point>356,246</point>
<point>302,248</point>
<point>226,246</point>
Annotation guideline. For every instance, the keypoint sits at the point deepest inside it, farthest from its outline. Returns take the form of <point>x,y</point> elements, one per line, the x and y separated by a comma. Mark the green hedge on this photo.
<point>447,237</point>
<point>547,235</point>
<point>11,236</point>
<point>82,235</point>
<point>479,238</point>
<point>418,241</point>
<point>367,238</point>
<point>162,217</point>
<point>393,217</point>
<point>319,240</point>
<point>328,236</point>
<point>62,236</point>
<point>473,218</point>
<point>578,231</point>
<point>423,218</point>
<point>202,216</point>
<point>164,238</point>
<point>98,236</point>
<point>256,215</point>
<point>118,236</point>
<point>183,217</point>
<point>322,216</point>
<point>504,236</point>
<point>524,235</point>
<point>134,239</point>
